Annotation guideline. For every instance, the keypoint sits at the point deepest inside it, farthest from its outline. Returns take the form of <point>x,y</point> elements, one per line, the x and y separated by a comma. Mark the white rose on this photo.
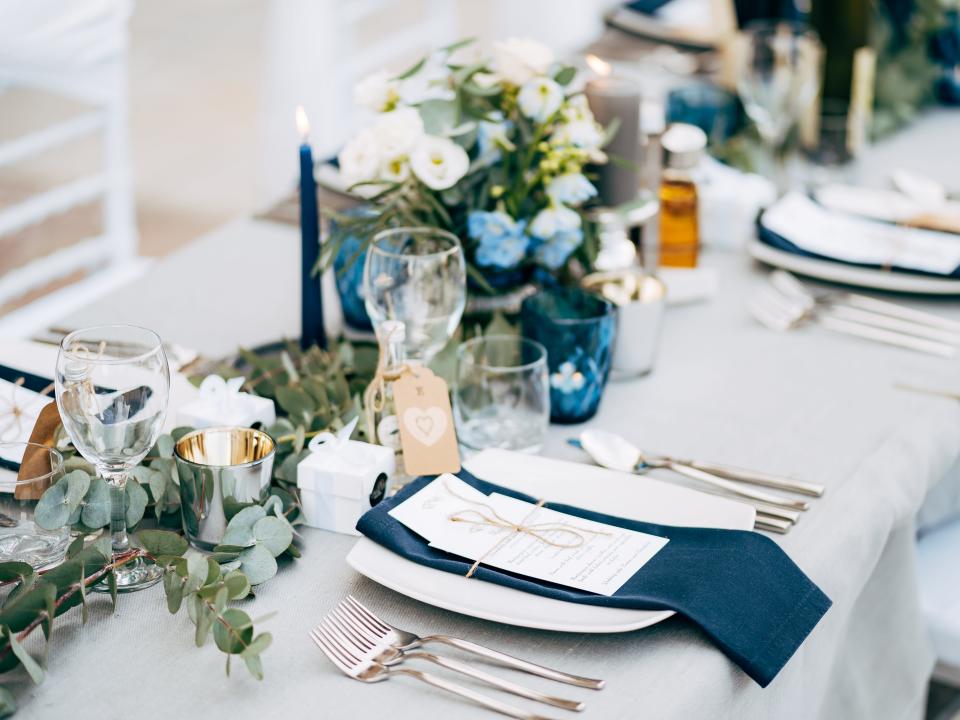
<point>398,131</point>
<point>554,219</point>
<point>377,92</point>
<point>360,158</point>
<point>439,163</point>
<point>520,59</point>
<point>540,98</point>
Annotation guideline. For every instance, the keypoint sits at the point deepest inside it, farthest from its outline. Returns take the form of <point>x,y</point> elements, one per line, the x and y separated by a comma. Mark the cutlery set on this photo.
<point>368,649</point>
<point>776,512</point>
<point>784,303</point>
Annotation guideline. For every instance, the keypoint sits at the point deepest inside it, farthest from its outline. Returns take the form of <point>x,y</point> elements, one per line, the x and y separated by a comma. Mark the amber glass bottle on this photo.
<point>679,228</point>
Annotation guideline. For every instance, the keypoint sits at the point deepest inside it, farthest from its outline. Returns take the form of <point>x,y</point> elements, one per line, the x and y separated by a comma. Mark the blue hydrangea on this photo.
<point>553,253</point>
<point>571,188</point>
<point>502,240</point>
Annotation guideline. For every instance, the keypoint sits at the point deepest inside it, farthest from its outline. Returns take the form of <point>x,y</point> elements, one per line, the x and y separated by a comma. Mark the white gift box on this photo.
<point>220,403</point>
<point>341,479</point>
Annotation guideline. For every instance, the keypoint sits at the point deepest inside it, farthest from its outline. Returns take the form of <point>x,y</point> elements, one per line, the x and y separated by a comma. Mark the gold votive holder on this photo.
<point>641,300</point>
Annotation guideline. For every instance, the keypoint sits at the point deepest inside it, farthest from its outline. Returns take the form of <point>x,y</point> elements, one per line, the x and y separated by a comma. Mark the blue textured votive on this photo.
<point>578,330</point>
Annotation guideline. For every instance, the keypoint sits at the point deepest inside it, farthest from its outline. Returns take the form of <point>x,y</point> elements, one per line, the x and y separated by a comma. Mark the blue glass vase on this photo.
<point>579,331</point>
<point>348,270</point>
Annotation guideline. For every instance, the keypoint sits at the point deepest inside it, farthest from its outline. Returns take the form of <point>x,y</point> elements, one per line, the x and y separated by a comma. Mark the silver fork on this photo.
<point>341,621</point>
<point>777,311</point>
<point>370,671</point>
<point>405,640</point>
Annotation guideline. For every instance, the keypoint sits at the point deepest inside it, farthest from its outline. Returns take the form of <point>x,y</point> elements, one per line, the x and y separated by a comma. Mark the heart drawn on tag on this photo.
<point>427,425</point>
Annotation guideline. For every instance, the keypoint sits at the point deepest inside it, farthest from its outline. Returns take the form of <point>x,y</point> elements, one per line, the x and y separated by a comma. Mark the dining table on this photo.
<point>811,404</point>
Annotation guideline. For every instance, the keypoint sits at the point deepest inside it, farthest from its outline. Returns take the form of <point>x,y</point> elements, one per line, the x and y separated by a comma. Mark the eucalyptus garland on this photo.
<point>314,391</point>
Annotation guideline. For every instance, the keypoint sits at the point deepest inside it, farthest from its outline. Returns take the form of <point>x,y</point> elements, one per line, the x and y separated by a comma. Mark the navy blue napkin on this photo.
<point>769,237</point>
<point>742,590</point>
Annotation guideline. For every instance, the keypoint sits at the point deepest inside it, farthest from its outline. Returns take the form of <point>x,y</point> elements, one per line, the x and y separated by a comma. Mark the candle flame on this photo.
<point>303,125</point>
<point>599,66</point>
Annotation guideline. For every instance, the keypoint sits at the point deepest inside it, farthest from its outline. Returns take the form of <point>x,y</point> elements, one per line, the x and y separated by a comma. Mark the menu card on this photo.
<point>524,538</point>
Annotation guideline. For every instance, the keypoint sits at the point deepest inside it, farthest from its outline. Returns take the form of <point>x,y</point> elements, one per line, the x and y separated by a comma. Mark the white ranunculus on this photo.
<point>439,163</point>
<point>540,98</point>
<point>517,60</point>
<point>360,158</point>
<point>377,92</point>
<point>398,131</point>
<point>554,219</point>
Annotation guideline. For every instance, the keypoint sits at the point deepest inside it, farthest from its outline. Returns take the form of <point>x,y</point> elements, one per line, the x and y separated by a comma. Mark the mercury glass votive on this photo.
<point>222,470</point>
<point>579,331</point>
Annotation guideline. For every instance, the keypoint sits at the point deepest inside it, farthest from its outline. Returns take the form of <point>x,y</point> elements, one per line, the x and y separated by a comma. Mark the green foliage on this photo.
<point>315,391</point>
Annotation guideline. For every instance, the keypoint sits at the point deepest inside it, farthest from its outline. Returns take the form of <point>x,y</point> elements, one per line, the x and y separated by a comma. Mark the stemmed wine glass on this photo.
<point>416,276</point>
<point>112,387</point>
<point>778,80</point>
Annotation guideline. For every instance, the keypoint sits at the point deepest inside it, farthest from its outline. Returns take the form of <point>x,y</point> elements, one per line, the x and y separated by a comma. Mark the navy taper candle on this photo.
<point>311,295</point>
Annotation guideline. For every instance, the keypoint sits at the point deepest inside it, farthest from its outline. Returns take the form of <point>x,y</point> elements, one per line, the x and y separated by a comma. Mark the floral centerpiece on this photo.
<point>493,149</point>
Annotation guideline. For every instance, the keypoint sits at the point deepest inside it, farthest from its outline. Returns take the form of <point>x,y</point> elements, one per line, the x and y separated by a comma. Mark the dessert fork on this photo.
<point>370,671</point>
<point>349,629</point>
<point>405,640</point>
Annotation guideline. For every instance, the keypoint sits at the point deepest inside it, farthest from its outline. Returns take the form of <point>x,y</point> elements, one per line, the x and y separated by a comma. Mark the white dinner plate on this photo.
<point>623,494</point>
<point>835,271</point>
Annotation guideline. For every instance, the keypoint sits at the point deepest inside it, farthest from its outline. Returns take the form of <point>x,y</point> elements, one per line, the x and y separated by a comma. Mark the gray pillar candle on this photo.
<point>610,98</point>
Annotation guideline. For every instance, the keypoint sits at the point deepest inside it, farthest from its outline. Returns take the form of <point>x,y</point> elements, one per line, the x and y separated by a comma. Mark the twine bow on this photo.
<point>375,396</point>
<point>538,531</point>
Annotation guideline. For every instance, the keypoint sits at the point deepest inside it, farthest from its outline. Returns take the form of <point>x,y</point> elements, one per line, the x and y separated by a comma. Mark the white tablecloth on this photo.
<point>819,406</point>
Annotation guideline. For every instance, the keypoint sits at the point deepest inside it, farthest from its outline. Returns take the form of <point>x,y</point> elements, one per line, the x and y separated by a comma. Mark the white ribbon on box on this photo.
<point>220,402</point>
<point>338,478</point>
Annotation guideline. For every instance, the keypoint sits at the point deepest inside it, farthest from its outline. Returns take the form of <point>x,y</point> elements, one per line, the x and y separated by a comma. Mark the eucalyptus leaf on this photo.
<point>8,706</point>
<point>162,542</point>
<point>258,564</point>
<point>24,610</point>
<point>205,619</point>
<point>59,501</point>
<point>96,506</point>
<point>295,402</point>
<point>234,633</point>
<point>29,664</point>
<point>196,572</point>
<point>165,446</point>
<point>136,500</point>
<point>14,570</point>
<point>173,587</point>
<point>179,432</point>
<point>438,116</point>
<point>274,534</point>
<point>237,584</point>
<point>254,665</point>
<point>240,528</point>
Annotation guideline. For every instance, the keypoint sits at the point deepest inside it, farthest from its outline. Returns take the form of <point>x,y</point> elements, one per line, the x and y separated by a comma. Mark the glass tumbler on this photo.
<point>579,330</point>
<point>501,396</point>
<point>21,539</point>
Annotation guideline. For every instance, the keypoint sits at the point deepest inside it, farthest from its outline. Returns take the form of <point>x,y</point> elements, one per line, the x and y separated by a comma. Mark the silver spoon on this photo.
<point>612,451</point>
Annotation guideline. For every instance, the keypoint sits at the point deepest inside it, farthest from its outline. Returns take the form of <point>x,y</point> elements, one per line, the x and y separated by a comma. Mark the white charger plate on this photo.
<point>616,493</point>
<point>835,271</point>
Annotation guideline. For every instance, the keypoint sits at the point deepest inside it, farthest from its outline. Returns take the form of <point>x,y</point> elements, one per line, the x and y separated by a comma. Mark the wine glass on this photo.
<point>416,276</point>
<point>779,78</point>
<point>112,387</point>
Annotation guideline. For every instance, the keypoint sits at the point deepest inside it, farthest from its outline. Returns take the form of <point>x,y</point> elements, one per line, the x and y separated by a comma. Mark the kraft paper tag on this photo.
<point>427,434</point>
<point>35,462</point>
